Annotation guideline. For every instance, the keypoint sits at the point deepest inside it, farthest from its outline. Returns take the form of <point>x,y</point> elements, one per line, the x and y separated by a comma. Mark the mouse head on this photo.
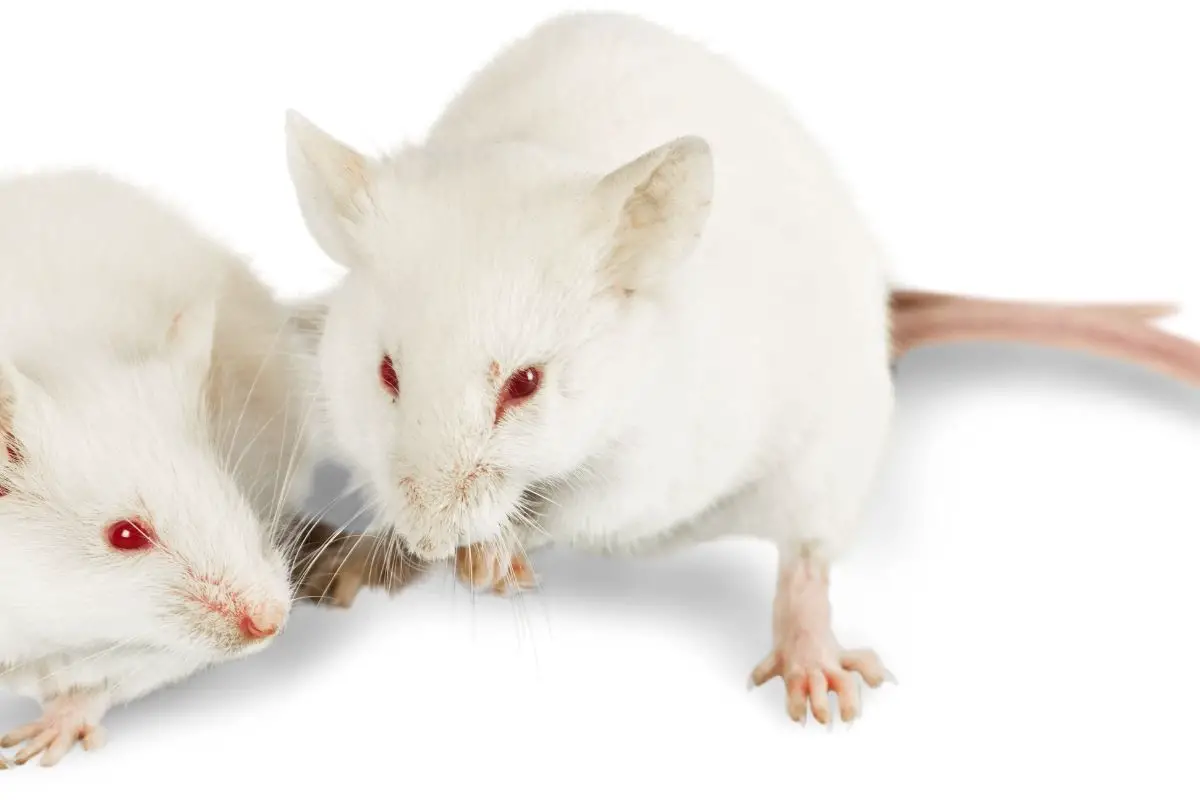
<point>124,522</point>
<point>489,336</point>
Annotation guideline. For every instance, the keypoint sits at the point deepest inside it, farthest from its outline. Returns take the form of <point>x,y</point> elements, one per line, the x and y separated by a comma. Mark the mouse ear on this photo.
<point>190,336</point>
<point>657,206</point>
<point>331,181</point>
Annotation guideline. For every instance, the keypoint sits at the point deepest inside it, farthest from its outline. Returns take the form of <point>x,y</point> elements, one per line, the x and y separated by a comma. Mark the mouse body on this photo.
<point>153,442</point>
<point>618,299</point>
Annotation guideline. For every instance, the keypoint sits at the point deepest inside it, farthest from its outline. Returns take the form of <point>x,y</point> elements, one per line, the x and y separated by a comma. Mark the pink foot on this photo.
<point>484,567</point>
<point>65,721</point>
<point>807,655</point>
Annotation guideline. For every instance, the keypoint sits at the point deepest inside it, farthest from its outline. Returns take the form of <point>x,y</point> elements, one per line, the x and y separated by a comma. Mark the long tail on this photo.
<point>1120,331</point>
<point>904,300</point>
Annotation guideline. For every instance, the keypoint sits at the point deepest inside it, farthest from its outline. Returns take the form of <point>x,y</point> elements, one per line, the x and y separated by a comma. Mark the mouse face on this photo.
<point>459,391</point>
<point>121,517</point>
<point>487,340</point>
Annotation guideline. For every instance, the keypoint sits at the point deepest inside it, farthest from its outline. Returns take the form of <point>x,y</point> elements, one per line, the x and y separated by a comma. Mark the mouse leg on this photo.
<point>806,654</point>
<point>814,505</point>
<point>66,719</point>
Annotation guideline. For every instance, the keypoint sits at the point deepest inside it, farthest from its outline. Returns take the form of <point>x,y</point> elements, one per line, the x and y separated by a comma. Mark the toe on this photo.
<point>58,748</point>
<point>39,743</point>
<point>867,664</point>
<point>477,568</point>
<point>766,670</point>
<point>818,691</point>
<point>22,734</point>
<point>843,685</point>
<point>94,738</point>
<point>522,574</point>
<point>797,698</point>
<point>518,578</point>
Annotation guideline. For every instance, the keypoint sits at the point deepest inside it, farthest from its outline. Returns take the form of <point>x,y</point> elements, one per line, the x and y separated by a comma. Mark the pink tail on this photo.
<point>904,300</point>
<point>1120,331</point>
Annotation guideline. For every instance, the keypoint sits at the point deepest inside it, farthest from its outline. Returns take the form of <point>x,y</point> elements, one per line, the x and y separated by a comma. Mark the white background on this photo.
<point>1027,568</point>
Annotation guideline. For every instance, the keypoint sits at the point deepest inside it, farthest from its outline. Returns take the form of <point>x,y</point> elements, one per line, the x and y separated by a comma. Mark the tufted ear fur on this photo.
<point>331,181</point>
<point>657,206</point>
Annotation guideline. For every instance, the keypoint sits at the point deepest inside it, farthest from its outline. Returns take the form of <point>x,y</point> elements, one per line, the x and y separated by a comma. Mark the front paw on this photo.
<point>65,721</point>
<point>333,565</point>
<point>812,669</point>
<point>486,567</point>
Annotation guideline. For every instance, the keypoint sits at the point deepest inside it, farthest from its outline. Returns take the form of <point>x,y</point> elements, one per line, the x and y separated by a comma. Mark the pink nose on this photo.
<point>261,623</point>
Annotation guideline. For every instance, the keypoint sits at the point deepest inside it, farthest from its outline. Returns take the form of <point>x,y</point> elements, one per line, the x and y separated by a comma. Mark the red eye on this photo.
<point>388,377</point>
<point>130,534</point>
<point>520,386</point>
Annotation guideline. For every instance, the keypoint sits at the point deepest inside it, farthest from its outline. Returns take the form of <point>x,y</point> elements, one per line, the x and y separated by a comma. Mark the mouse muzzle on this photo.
<point>230,619</point>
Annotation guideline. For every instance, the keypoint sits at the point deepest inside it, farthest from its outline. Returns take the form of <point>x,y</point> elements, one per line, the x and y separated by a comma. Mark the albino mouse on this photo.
<point>152,445</point>
<point>617,299</point>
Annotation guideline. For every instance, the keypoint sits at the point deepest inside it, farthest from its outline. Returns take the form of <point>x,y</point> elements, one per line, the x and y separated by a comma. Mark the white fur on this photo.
<point>632,211</point>
<point>143,372</point>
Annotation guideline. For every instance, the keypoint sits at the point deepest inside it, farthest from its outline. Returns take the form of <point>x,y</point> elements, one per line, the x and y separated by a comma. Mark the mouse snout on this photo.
<point>261,622</point>
<point>230,618</point>
<point>439,510</point>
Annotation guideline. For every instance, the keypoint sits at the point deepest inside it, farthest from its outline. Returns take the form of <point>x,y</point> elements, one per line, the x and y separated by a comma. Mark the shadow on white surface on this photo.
<point>935,372</point>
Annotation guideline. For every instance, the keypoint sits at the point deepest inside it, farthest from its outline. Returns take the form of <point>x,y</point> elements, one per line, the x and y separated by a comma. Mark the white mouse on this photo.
<point>153,445</point>
<point>617,299</point>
